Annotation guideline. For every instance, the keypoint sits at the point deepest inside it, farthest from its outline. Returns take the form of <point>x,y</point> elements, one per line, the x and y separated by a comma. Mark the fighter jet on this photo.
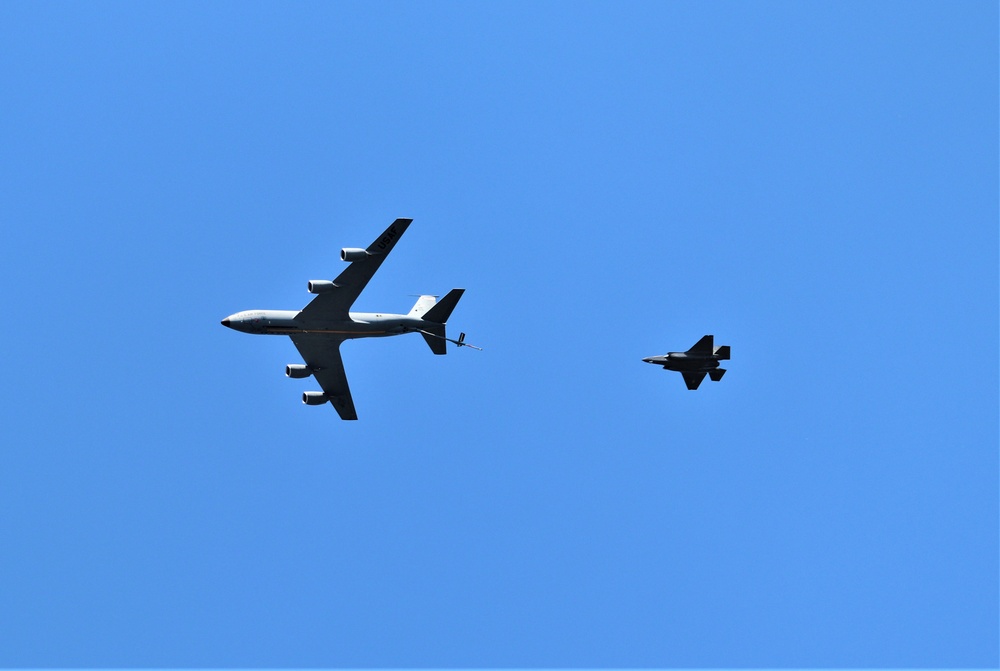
<point>318,329</point>
<point>693,364</point>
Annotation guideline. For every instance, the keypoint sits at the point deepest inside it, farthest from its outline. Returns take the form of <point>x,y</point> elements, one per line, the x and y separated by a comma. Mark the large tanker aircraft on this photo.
<point>318,329</point>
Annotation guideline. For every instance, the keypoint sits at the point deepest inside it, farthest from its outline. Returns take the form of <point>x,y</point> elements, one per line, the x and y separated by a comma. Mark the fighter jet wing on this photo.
<point>703,346</point>
<point>334,305</point>
<point>692,380</point>
<point>322,354</point>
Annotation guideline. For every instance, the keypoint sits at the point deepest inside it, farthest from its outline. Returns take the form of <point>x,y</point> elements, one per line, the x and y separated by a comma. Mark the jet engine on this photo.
<point>297,370</point>
<point>321,286</point>
<point>314,398</point>
<point>352,254</point>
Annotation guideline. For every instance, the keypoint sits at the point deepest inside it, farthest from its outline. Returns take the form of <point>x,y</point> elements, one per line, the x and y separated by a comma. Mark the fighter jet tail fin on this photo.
<point>703,346</point>
<point>716,374</point>
<point>440,312</point>
<point>722,352</point>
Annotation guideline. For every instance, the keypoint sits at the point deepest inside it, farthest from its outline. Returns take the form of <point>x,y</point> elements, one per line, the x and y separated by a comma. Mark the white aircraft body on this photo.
<point>318,329</point>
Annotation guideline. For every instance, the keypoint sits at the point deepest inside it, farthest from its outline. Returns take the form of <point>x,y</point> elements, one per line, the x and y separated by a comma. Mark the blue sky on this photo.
<point>816,183</point>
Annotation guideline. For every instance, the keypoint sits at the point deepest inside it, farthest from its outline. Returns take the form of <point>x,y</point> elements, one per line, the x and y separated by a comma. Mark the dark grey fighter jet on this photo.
<point>693,364</point>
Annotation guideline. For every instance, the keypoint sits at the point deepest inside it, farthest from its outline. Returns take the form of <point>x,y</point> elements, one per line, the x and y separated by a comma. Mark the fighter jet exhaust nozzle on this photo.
<point>296,370</point>
<point>314,398</point>
<point>321,286</point>
<point>352,254</point>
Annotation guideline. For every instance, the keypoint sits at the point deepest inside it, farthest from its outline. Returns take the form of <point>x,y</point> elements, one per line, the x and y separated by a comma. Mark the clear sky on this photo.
<point>815,183</point>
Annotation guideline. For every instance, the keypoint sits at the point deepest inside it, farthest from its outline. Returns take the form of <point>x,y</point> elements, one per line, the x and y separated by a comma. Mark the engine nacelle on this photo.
<point>321,286</point>
<point>297,370</point>
<point>314,398</point>
<point>353,254</point>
